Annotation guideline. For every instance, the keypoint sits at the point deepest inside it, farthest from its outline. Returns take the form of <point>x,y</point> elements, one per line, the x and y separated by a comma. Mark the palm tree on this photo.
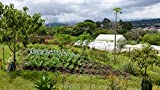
<point>116,10</point>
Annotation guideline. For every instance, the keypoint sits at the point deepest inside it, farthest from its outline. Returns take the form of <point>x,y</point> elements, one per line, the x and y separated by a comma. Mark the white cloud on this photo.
<point>147,12</point>
<point>79,10</point>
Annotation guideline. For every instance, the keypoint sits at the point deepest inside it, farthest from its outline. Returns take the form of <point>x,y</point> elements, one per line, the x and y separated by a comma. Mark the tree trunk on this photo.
<point>14,47</point>
<point>145,71</point>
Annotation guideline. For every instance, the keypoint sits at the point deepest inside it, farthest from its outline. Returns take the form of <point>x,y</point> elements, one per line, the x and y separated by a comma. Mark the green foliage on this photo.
<point>82,27</point>
<point>85,36</point>
<point>117,9</point>
<point>51,58</point>
<point>132,42</point>
<point>63,39</point>
<point>125,26</point>
<point>19,24</point>
<point>50,41</point>
<point>135,35</point>
<point>121,44</point>
<point>130,68</point>
<point>145,57</point>
<point>1,38</point>
<point>99,55</point>
<point>106,23</point>
<point>116,84</point>
<point>84,40</point>
<point>45,83</point>
<point>153,39</point>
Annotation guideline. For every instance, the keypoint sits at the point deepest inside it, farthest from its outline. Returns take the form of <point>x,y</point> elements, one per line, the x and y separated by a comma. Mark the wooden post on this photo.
<point>0,63</point>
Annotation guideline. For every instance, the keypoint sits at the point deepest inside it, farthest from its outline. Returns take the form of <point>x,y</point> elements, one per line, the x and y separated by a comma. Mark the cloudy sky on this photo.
<point>68,11</point>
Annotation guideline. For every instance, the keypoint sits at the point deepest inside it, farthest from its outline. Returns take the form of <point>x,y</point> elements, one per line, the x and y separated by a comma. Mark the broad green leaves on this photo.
<point>52,59</point>
<point>45,83</point>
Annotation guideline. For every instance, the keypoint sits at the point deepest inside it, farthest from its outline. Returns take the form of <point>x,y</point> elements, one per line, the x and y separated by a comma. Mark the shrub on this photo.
<point>117,84</point>
<point>45,83</point>
<point>129,68</point>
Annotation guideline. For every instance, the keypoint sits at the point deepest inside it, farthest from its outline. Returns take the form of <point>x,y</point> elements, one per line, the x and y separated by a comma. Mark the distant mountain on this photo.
<point>54,24</point>
<point>58,24</point>
<point>146,22</point>
<point>135,23</point>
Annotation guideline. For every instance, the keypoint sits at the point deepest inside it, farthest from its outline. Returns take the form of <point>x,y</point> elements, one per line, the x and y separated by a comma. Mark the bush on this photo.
<point>45,83</point>
<point>117,84</point>
<point>129,68</point>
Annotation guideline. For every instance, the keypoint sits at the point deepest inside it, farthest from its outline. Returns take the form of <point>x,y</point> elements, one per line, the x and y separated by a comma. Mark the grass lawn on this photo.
<point>10,82</point>
<point>24,80</point>
<point>6,52</point>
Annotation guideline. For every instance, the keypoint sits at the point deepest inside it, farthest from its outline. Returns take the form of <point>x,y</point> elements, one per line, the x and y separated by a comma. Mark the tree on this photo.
<point>63,39</point>
<point>135,35</point>
<point>106,23</point>
<point>89,21</point>
<point>98,23</point>
<point>18,25</point>
<point>116,10</point>
<point>84,40</point>
<point>82,27</point>
<point>145,57</point>
<point>125,25</point>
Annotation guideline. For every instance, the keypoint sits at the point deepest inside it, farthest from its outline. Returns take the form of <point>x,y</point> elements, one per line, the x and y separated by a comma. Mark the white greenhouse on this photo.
<point>106,41</point>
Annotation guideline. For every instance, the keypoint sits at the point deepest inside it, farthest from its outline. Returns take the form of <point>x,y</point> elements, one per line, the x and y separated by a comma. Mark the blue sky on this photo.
<point>67,11</point>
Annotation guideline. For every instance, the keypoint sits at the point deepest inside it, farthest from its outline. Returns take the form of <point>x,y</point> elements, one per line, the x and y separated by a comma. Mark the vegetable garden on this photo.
<point>60,60</point>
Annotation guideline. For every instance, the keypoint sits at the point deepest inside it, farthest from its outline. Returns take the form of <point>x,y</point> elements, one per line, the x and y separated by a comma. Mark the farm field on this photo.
<point>75,80</point>
<point>79,47</point>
